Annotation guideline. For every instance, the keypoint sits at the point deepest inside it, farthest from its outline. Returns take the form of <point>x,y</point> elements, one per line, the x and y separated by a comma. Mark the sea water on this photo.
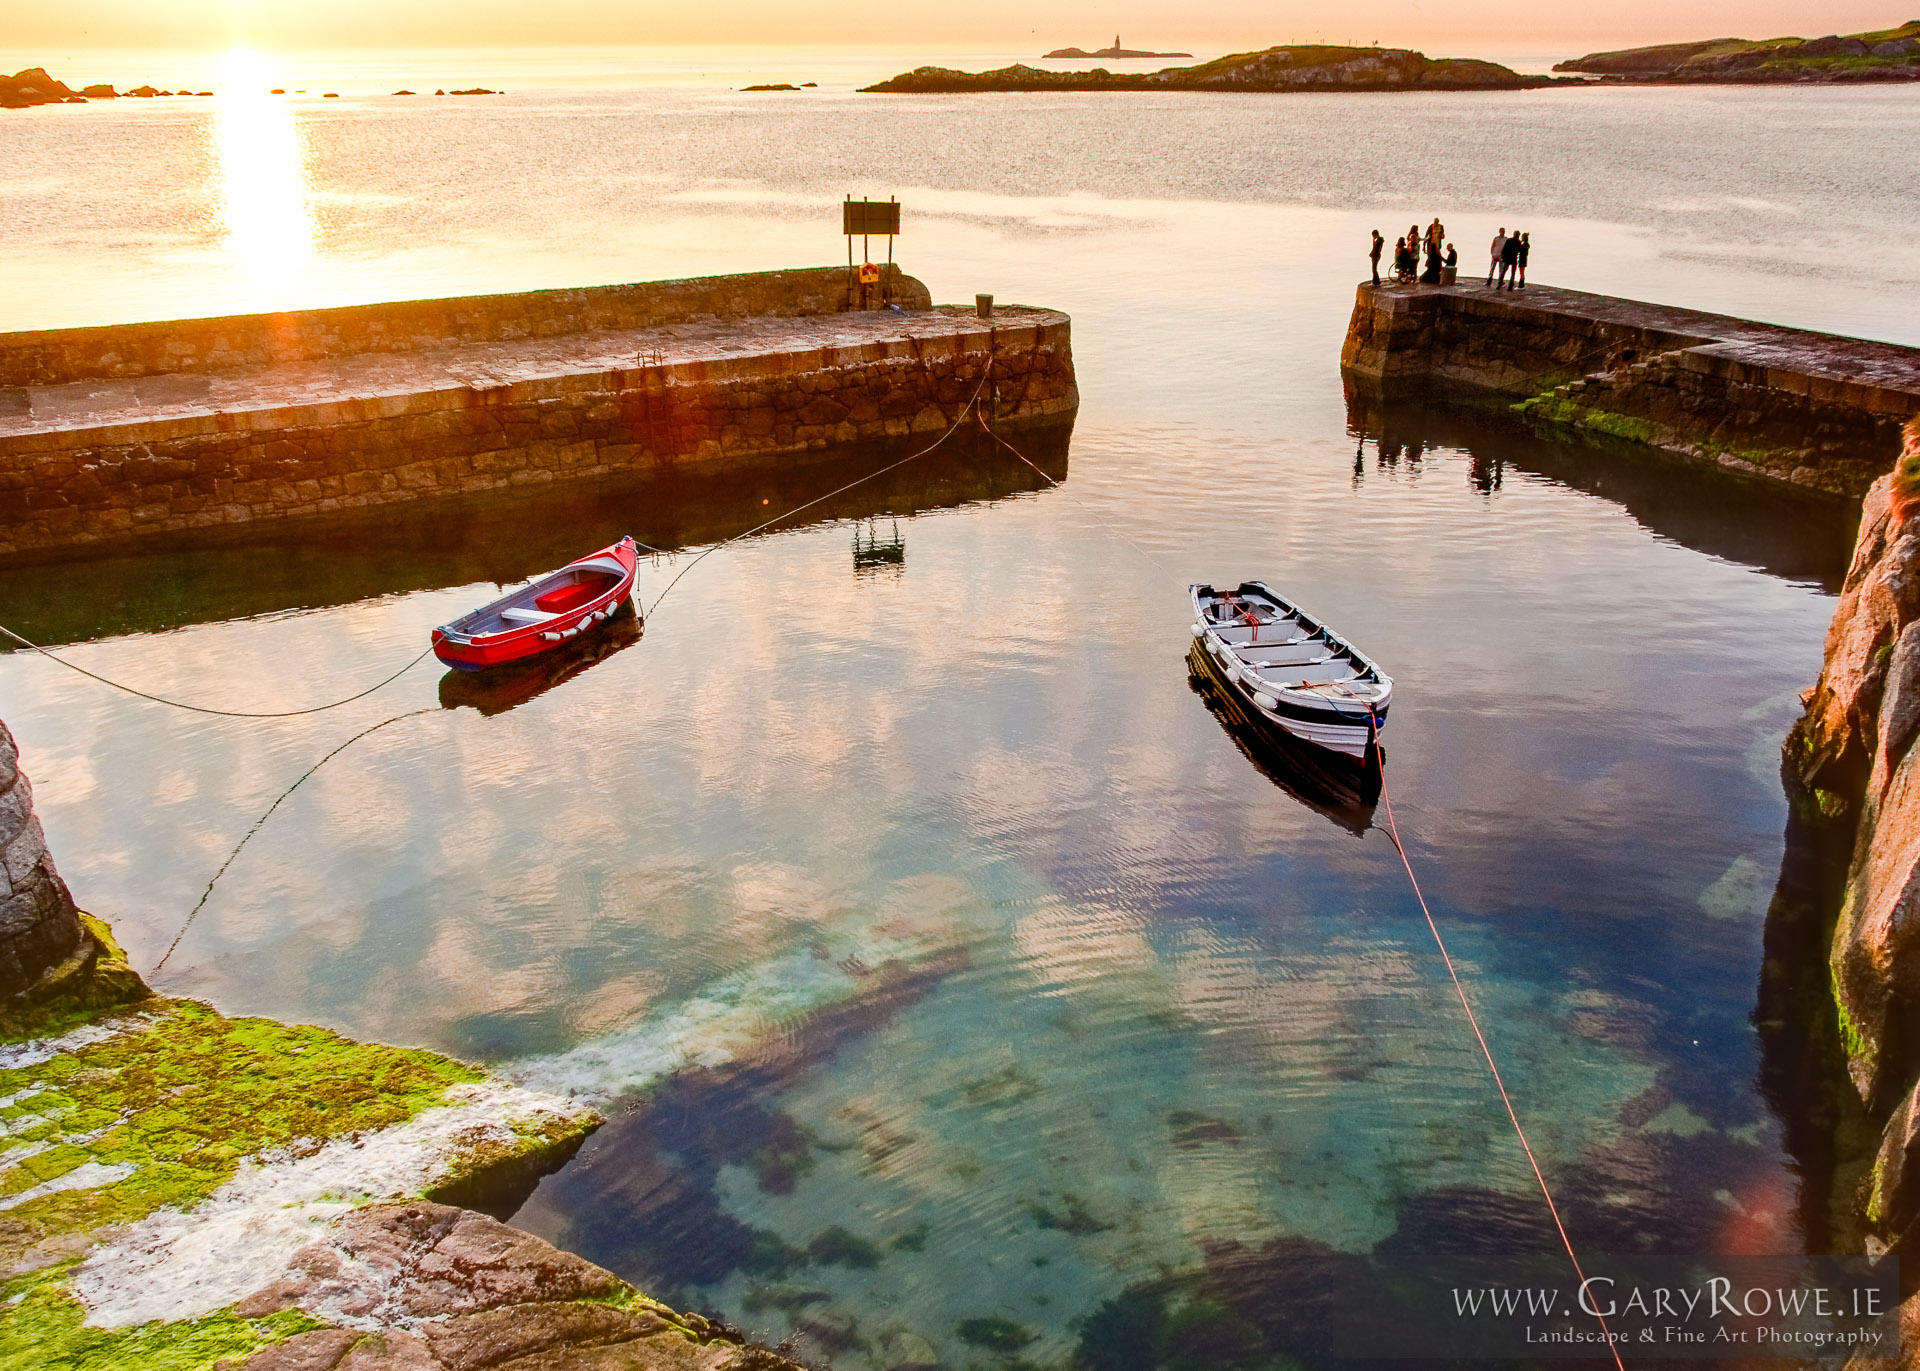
<point>957,988</point>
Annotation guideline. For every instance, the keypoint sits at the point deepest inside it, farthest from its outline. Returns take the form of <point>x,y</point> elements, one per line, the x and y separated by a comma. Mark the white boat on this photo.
<point>1294,678</point>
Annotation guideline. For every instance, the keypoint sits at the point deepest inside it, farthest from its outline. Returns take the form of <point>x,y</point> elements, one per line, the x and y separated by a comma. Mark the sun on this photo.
<point>265,201</point>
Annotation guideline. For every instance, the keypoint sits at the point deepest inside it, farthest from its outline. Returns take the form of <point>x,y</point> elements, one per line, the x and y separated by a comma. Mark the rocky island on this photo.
<point>1884,55</point>
<point>1301,67</point>
<point>1115,51</point>
<point>35,87</point>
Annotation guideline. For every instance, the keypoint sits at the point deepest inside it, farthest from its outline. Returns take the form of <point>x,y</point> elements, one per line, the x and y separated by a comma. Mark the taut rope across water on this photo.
<point>971,407</point>
<point>1459,989</point>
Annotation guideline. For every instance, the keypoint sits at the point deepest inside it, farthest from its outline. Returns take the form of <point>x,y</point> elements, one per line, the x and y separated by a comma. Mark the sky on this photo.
<point>1206,28</point>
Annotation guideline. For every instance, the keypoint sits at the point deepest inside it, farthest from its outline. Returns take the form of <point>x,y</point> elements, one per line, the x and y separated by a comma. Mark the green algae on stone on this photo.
<point>179,1097</point>
<point>96,978</point>
<point>44,1329</point>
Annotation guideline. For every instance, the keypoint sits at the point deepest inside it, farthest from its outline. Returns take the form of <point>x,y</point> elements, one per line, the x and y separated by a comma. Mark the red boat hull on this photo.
<point>562,607</point>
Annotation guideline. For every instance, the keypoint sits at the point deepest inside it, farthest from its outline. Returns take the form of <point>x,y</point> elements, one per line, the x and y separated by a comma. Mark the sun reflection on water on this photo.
<point>265,209</point>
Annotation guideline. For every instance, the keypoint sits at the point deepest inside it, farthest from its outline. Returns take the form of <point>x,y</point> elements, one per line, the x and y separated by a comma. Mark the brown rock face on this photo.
<point>451,1290</point>
<point>39,926</point>
<point>31,87</point>
<point>1854,750</point>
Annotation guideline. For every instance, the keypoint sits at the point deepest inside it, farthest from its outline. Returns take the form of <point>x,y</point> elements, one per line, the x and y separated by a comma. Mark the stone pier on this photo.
<point>148,430</point>
<point>1813,410</point>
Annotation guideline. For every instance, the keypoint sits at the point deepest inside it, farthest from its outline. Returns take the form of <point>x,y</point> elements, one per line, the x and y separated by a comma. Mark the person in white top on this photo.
<point>1493,263</point>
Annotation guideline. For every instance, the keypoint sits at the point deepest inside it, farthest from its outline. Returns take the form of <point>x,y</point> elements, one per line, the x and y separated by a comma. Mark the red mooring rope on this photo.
<point>1393,832</point>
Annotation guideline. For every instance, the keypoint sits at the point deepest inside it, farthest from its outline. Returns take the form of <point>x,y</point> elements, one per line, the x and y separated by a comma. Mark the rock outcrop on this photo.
<point>39,926</point>
<point>1853,768</point>
<point>1884,55</point>
<point>185,1190</point>
<point>451,1290</point>
<point>1309,66</point>
<point>34,87</point>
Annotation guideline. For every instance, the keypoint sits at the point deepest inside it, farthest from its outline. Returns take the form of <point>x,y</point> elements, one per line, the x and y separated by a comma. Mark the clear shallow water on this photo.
<point>955,964</point>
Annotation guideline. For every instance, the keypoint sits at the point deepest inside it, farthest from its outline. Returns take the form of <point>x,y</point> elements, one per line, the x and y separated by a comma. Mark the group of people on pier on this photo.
<point>1509,260</point>
<point>1506,268</point>
<point>1442,256</point>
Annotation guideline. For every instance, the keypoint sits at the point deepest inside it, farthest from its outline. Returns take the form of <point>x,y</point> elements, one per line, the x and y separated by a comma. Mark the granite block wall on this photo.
<point>76,487</point>
<point>1771,403</point>
<point>57,356</point>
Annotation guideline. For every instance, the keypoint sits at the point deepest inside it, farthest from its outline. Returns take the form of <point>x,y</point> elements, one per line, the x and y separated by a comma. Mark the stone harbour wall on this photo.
<point>39,926</point>
<point>58,356</point>
<point>1807,409</point>
<point>72,487</point>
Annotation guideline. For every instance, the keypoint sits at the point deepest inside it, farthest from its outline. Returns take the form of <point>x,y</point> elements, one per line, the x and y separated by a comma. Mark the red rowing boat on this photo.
<point>552,610</point>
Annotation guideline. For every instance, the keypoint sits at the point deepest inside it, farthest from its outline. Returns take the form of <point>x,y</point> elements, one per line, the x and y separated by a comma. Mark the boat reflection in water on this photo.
<point>1313,776</point>
<point>501,688</point>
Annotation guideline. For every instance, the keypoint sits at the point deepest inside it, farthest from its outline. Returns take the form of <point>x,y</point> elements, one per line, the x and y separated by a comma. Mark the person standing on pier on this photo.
<point>1499,246</point>
<point>1431,276</point>
<point>1510,259</point>
<point>1436,235</point>
<point>1520,262</point>
<point>1378,244</point>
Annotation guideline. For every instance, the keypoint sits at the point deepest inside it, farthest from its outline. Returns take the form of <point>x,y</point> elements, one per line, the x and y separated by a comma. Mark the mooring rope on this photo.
<point>261,821</point>
<point>1473,1021</point>
<point>258,823</point>
<point>1057,485</point>
<point>972,401</point>
<point>1433,927</point>
<point>222,713</point>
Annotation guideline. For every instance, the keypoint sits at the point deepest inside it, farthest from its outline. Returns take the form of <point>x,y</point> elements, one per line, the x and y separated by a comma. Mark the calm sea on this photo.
<point>959,990</point>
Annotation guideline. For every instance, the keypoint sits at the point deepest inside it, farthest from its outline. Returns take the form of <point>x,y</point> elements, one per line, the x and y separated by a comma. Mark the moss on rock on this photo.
<point>119,1109</point>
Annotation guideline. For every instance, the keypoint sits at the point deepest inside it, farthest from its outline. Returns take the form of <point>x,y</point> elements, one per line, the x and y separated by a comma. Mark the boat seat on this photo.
<point>563,598</point>
<point>517,615</point>
<point>1275,634</point>
<point>1296,677</point>
<point>1283,654</point>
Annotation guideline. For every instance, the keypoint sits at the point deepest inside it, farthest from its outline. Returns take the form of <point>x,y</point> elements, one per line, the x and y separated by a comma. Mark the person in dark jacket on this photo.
<point>1379,244</point>
<point>1520,262</point>
<point>1431,276</point>
<point>1509,259</point>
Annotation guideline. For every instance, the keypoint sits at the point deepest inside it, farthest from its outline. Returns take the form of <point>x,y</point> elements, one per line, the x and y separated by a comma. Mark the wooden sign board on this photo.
<point>863,217</point>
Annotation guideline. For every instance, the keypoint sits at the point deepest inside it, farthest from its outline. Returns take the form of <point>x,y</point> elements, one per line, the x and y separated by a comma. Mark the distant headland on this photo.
<point>1115,51</point>
<point>1884,55</point>
<point>34,86</point>
<point>1301,67</point>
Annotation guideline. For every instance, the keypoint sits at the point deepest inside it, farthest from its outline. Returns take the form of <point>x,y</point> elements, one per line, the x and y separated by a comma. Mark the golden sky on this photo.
<point>979,26</point>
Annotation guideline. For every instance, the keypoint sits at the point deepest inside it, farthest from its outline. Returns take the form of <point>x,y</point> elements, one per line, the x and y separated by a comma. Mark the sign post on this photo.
<point>864,219</point>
